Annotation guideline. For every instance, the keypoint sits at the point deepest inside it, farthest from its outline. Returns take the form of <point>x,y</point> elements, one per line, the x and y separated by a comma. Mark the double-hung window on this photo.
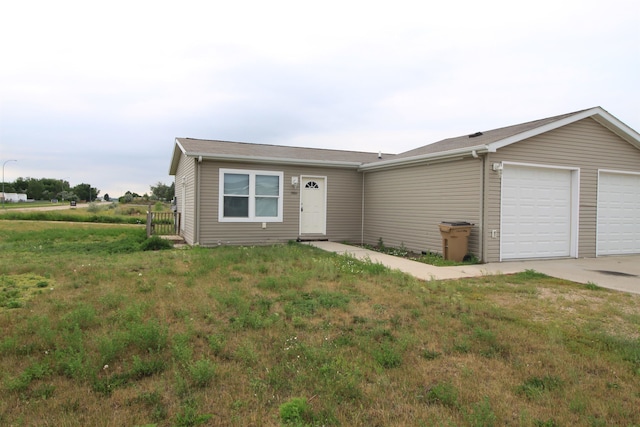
<point>250,196</point>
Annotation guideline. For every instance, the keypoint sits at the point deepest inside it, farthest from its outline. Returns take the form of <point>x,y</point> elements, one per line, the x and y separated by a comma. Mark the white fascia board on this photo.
<point>442,155</point>
<point>276,161</point>
<point>173,167</point>
<point>618,127</point>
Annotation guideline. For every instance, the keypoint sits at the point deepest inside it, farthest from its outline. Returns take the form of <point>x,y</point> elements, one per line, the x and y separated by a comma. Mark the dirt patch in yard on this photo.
<point>582,308</point>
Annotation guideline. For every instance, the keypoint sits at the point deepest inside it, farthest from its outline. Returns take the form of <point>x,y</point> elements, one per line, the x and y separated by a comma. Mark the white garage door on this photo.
<point>618,214</point>
<point>536,212</point>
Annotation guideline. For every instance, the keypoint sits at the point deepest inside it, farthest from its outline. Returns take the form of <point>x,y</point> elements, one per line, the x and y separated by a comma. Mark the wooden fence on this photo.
<point>163,223</point>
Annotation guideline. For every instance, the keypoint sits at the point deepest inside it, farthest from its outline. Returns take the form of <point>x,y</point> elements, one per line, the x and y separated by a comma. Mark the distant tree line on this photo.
<point>51,188</point>
<point>160,191</point>
<point>163,192</point>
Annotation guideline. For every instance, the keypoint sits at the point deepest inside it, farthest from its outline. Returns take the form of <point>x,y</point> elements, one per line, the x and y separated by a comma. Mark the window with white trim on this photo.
<point>250,196</point>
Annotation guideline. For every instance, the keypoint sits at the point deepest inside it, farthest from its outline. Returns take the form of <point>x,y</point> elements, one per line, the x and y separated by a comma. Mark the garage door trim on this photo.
<point>574,204</point>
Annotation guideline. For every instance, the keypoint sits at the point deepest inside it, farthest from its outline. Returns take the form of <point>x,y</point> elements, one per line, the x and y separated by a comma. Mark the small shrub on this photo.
<point>442,394</point>
<point>592,286</point>
<point>535,386</point>
<point>142,368</point>
<point>247,354</point>
<point>182,350</point>
<point>296,412</point>
<point>529,275</point>
<point>13,304</point>
<point>387,356</point>
<point>374,268</point>
<point>93,207</point>
<point>189,416</point>
<point>217,343</point>
<point>33,372</point>
<point>9,345</point>
<point>111,346</point>
<point>155,243</point>
<point>84,316</point>
<point>149,336</point>
<point>548,423</point>
<point>430,354</point>
<point>202,372</point>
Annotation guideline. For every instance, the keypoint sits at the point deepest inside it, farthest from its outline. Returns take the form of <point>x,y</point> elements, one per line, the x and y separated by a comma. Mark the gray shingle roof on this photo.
<point>213,148</point>
<point>487,137</point>
<point>481,142</point>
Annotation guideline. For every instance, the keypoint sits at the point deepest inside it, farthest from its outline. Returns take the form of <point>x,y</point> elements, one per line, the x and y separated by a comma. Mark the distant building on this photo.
<point>13,197</point>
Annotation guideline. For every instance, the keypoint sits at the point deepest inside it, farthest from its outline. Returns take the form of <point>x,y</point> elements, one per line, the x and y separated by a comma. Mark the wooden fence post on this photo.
<point>149,222</point>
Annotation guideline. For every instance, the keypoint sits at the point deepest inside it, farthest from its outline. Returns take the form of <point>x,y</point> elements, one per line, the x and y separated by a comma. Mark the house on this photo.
<point>564,186</point>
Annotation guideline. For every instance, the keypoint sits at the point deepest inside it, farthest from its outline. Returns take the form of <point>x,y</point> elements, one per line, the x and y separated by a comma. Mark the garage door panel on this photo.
<point>618,214</point>
<point>536,212</point>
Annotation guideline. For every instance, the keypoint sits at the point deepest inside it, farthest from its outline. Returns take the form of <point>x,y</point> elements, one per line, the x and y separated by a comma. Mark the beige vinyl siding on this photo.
<point>404,206</point>
<point>586,145</point>
<point>344,195</point>
<point>186,169</point>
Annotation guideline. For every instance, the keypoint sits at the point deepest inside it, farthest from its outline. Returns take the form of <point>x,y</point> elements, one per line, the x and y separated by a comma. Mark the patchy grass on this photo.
<point>17,289</point>
<point>290,335</point>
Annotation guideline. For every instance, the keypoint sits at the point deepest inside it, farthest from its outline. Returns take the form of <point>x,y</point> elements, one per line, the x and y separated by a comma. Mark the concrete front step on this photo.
<point>176,240</point>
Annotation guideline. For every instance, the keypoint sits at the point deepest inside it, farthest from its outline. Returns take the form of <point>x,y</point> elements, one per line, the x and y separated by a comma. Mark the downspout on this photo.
<point>481,235</point>
<point>364,174</point>
<point>198,202</point>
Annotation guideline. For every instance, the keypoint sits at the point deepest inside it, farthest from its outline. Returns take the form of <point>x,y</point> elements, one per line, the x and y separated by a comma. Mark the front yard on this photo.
<point>96,332</point>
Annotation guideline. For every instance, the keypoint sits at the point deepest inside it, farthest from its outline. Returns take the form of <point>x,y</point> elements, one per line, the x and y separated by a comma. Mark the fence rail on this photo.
<point>162,223</point>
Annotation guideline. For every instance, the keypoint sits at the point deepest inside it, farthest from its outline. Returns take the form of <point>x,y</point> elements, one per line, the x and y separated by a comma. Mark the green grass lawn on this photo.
<point>96,213</point>
<point>95,331</point>
<point>36,204</point>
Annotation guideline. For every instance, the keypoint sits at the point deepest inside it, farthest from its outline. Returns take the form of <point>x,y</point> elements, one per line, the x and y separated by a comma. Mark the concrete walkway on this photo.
<point>620,273</point>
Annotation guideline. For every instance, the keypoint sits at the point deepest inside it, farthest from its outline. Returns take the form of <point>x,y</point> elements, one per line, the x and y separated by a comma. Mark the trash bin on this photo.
<point>455,239</point>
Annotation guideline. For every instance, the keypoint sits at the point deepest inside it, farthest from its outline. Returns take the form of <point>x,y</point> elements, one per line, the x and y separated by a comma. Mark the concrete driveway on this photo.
<point>620,273</point>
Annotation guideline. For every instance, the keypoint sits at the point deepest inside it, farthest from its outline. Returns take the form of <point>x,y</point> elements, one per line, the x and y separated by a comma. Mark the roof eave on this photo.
<point>274,160</point>
<point>618,127</point>
<point>178,149</point>
<point>424,158</point>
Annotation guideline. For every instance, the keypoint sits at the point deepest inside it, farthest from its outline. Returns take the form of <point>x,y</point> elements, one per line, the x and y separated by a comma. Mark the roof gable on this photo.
<point>493,140</point>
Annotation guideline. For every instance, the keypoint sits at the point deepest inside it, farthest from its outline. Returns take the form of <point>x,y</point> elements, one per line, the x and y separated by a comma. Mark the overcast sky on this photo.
<point>96,92</point>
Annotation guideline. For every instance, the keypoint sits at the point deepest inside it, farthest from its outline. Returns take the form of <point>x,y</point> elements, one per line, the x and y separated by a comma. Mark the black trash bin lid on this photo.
<point>454,223</point>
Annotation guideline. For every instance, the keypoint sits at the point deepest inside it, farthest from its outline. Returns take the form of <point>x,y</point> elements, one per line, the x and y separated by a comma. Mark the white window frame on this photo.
<point>252,196</point>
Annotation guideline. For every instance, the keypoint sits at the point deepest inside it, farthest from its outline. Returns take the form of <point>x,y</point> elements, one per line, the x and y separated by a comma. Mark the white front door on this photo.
<point>618,213</point>
<point>313,212</point>
<point>537,212</point>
